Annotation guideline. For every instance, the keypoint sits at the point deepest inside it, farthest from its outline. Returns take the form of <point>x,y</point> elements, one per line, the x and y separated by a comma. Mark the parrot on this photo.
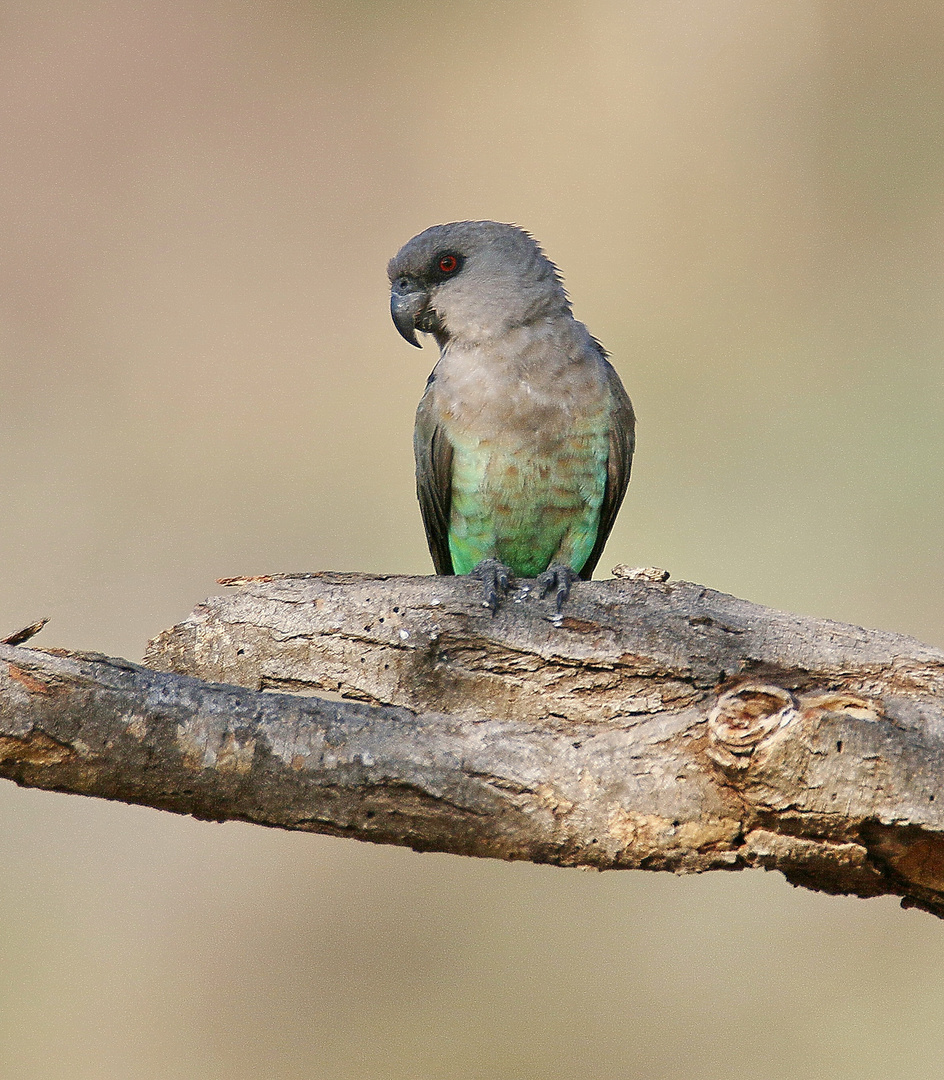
<point>524,436</point>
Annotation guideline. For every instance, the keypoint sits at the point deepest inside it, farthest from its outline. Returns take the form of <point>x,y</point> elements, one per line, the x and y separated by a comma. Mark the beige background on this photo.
<point>198,377</point>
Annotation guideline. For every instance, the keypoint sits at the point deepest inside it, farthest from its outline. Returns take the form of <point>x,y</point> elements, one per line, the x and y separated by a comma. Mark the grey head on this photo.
<point>472,281</point>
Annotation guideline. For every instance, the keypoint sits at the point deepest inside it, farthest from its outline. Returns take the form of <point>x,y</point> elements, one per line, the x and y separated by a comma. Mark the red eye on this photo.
<point>448,263</point>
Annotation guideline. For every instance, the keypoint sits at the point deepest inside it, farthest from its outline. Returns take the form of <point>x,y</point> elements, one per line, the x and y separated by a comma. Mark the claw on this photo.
<point>558,579</point>
<point>497,579</point>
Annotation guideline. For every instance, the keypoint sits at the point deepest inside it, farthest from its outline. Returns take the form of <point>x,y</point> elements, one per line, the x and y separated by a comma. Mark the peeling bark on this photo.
<point>656,725</point>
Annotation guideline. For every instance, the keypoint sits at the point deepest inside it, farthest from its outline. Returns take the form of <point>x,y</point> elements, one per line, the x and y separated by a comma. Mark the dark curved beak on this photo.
<point>408,301</point>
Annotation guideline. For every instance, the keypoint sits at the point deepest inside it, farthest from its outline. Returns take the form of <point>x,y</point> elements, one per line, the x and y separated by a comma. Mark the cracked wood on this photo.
<point>657,725</point>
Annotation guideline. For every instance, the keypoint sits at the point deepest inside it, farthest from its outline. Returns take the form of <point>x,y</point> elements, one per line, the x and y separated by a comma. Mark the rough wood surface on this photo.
<point>656,725</point>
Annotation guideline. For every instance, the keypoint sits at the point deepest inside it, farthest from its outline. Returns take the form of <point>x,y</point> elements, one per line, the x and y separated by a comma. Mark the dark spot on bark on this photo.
<point>707,621</point>
<point>239,652</point>
<point>839,746</point>
<point>576,745</point>
<point>396,611</point>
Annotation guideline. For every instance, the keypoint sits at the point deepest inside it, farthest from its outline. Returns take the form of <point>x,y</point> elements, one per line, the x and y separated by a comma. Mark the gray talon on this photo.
<point>497,579</point>
<point>558,579</point>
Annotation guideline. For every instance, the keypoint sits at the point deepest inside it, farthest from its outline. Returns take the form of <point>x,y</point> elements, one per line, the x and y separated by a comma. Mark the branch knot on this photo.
<point>743,719</point>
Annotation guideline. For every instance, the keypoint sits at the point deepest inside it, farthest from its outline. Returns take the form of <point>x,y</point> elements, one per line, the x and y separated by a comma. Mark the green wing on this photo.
<point>618,465</point>
<point>433,453</point>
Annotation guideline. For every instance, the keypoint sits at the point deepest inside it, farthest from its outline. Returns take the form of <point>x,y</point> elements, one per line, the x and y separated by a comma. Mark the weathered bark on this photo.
<point>656,725</point>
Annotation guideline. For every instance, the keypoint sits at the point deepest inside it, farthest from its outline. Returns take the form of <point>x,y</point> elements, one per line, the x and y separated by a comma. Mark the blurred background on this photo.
<point>199,378</point>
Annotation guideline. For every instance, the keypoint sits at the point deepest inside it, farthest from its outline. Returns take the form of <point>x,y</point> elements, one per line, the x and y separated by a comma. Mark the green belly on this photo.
<point>527,510</point>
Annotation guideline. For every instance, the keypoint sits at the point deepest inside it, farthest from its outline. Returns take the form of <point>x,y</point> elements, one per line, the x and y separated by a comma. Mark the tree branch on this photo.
<point>656,725</point>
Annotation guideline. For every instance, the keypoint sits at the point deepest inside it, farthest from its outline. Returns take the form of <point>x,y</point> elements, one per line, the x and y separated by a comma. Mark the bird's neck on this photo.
<point>485,322</point>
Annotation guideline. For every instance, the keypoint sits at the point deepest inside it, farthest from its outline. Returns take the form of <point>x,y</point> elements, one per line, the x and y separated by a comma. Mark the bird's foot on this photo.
<point>497,579</point>
<point>557,578</point>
